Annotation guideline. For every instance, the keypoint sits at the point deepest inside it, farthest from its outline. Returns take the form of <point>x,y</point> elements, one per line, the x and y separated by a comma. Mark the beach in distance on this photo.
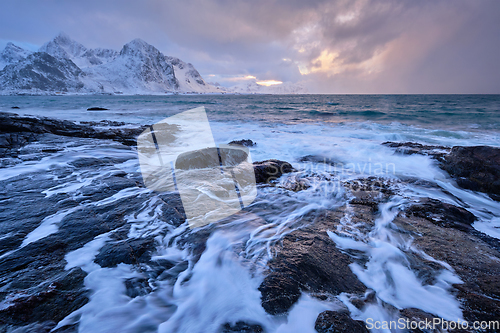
<point>379,209</point>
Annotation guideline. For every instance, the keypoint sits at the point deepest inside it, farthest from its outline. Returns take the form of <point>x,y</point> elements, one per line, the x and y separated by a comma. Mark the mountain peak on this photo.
<point>62,46</point>
<point>11,47</point>
<point>138,44</point>
<point>11,54</point>
<point>62,37</point>
<point>139,41</point>
<point>139,47</point>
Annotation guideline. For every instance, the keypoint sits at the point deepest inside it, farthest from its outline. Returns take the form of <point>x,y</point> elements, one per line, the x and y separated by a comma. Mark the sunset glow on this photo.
<point>268,83</point>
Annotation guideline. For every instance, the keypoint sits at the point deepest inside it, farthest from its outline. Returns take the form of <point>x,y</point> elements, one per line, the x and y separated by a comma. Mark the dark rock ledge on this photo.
<point>475,168</point>
<point>306,260</point>
<point>17,131</point>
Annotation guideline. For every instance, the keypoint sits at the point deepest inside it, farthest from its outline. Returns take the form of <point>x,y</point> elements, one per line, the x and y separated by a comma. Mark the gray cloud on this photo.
<point>340,46</point>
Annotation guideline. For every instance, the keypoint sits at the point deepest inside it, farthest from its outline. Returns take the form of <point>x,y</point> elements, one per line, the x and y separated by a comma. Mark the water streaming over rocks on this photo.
<point>350,230</point>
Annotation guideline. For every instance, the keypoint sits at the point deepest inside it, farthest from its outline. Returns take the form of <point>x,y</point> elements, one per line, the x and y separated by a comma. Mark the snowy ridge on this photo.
<point>39,73</point>
<point>65,66</point>
<point>188,77</point>
<point>12,54</point>
<point>62,46</point>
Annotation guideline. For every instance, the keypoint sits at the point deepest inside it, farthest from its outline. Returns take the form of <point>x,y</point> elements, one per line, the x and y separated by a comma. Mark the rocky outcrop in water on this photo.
<point>338,322</point>
<point>37,290</point>
<point>267,171</point>
<point>442,230</point>
<point>475,168</point>
<point>16,131</point>
<point>244,142</point>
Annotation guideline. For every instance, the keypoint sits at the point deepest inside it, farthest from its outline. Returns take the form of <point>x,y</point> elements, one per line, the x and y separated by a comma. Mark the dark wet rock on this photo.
<point>443,214</point>
<point>12,123</point>
<point>51,150</point>
<point>267,171</point>
<point>307,260</point>
<point>43,327</point>
<point>103,123</point>
<point>15,107</point>
<point>244,142</point>
<point>137,287</point>
<point>130,251</point>
<point>338,322</point>
<point>96,108</point>
<point>172,209</point>
<point>48,301</point>
<point>297,183</point>
<point>11,142</point>
<point>34,277</point>
<point>210,158</point>
<point>475,168</point>
<point>241,327</point>
<point>370,191</point>
<point>279,292</point>
<point>410,148</point>
<point>473,259</point>
<point>416,315</point>
<point>317,159</point>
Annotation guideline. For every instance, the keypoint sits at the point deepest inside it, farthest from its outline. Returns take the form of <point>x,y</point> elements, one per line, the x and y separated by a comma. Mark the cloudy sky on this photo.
<point>345,46</point>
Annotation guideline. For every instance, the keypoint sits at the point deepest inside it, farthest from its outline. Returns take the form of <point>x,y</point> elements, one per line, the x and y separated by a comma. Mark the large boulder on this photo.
<point>269,170</point>
<point>475,168</point>
<point>338,322</point>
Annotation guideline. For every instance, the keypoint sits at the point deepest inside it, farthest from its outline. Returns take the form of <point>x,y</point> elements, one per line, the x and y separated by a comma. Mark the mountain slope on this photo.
<point>188,77</point>
<point>12,54</point>
<point>40,72</point>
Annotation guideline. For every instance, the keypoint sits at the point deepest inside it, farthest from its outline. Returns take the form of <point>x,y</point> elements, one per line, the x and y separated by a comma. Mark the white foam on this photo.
<point>388,274</point>
<point>47,227</point>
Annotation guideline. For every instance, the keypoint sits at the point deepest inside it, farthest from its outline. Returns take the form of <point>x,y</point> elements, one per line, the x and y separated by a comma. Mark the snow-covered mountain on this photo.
<point>12,54</point>
<point>63,65</point>
<point>188,77</point>
<point>62,46</point>
<point>40,72</point>
<point>139,68</point>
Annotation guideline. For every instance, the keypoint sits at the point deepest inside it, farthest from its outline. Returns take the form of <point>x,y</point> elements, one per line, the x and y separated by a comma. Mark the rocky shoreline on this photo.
<point>36,291</point>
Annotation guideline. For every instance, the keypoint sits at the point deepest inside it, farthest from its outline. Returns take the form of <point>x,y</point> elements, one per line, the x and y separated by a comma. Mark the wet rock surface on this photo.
<point>410,148</point>
<point>338,322</point>
<point>307,260</point>
<point>475,261</point>
<point>475,168</point>
<point>241,327</point>
<point>14,123</point>
<point>37,290</point>
<point>441,230</point>
<point>96,108</point>
<point>267,171</point>
<point>443,214</point>
<point>244,142</point>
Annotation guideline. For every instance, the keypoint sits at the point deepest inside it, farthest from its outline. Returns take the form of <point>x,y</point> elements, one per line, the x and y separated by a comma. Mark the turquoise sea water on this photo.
<point>458,112</point>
